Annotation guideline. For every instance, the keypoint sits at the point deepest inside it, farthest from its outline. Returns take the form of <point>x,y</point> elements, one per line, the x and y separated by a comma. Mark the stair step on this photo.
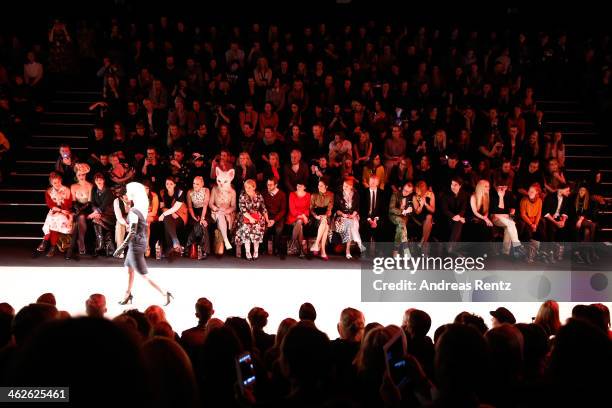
<point>558,102</point>
<point>22,195</point>
<point>66,124</point>
<point>74,118</point>
<point>54,113</point>
<point>34,166</point>
<point>587,156</point>
<point>64,92</point>
<point>17,222</point>
<point>587,162</point>
<point>571,122</point>
<point>60,137</point>
<point>33,181</point>
<point>51,148</point>
<point>582,170</point>
<point>22,204</point>
<point>21,174</point>
<point>23,213</point>
<point>586,145</point>
<point>75,143</point>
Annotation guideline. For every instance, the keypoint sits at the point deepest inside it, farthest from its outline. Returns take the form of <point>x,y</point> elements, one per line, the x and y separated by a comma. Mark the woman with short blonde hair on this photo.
<point>252,220</point>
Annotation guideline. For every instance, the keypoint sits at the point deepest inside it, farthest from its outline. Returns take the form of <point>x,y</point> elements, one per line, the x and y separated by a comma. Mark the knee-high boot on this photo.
<point>99,238</point>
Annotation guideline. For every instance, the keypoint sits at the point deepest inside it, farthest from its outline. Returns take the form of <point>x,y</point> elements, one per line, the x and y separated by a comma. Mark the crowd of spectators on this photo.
<point>394,134</point>
<point>470,362</point>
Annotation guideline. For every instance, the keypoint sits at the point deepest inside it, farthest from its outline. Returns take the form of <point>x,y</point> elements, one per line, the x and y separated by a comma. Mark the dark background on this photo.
<point>28,17</point>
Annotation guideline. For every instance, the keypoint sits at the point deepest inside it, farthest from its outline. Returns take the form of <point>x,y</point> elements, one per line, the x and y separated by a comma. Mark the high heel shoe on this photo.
<point>128,299</point>
<point>169,298</point>
<point>325,257</point>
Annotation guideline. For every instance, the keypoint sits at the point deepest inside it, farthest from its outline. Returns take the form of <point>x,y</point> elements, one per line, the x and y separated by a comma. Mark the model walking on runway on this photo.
<point>136,241</point>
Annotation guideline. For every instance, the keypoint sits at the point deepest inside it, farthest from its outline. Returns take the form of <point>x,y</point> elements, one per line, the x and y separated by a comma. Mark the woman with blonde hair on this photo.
<point>479,206</point>
<point>81,199</point>
<point>252,220</point>
<point>136,241</point>
<point>197,205</point>
<point>273,168</point>
<point>548,317</point>
<point>346,221</point>
<point>245,170</point>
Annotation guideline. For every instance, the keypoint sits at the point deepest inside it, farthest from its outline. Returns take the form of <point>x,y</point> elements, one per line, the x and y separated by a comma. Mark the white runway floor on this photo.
<point>233,292</point>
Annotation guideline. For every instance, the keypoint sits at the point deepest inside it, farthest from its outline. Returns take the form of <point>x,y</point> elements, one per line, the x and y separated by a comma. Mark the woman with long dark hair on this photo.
<point>582,214</point>
<point>136,241</point>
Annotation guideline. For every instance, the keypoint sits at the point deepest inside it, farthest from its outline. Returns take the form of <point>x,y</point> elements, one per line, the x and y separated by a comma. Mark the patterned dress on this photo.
<point>345,227</point>
<point>199,199</point>
<point>246,231</point>
<point>226,200</point>
<point>57,221</point>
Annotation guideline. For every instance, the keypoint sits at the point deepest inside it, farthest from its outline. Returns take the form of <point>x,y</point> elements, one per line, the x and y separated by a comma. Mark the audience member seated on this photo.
<point>81,198</point>
<point>479,213</point>
<point>252,220</point>
<point>173,215</point>
<point>416,325</point>
<point>295,172</point>
<point>582,219</point>
<point>102,215</point>
<point>258,319</point>
<point>223,204</point>
<point>401,210</point>
<point>372,219</point>
<point>245,170</point>
<point>275,201</point>
<point>95,306</point>
<point>453,212</point>
<point>528,178</point>
<point>374,167</point>
<point>121,206</point>
<point>193,338</point>
<point>556,210</point>
<point>59,221</point>
<point>502,208</point>
<point>346,219</point>
<point>64,165</point>
<point>321,206</point>
<point>345,348</point>
<point>198,199</point>
<point>297,218</point>
<point>531,224</point>
<point>401,174</point>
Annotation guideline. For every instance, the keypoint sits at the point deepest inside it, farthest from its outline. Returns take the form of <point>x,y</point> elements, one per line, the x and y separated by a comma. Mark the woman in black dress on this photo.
<point>136,241</point>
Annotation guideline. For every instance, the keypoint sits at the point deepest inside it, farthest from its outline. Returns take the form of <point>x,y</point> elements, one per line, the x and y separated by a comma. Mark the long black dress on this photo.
<point>137,246</point>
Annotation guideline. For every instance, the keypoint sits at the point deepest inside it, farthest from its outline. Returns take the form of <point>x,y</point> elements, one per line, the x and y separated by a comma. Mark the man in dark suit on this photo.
<point>555,211</point>
<point>155,120</point>
<point>453,208</point>
<point>371,212</point>
<point>276,203</point>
